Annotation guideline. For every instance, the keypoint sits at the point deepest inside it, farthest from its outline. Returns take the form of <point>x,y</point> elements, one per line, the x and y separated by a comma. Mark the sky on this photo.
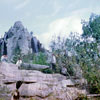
<point>47,18</point>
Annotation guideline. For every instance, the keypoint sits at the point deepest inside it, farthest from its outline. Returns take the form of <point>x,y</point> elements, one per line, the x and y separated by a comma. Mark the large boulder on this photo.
<point>28,66</point>
<point>37,85</point>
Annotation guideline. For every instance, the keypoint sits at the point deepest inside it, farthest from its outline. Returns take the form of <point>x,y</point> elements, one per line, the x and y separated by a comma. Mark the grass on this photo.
<point>2,99</point>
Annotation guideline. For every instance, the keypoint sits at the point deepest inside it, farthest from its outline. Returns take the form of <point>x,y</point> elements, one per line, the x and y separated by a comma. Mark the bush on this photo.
<point>82,97</point>
<point>49,71</point>
<point>82,52</point>
<point>2,99</point>
<point>28,58</point>
<point>93,78</point>
<point>40,58</point>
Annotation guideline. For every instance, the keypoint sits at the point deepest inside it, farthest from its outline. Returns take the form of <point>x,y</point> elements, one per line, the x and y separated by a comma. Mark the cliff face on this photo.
<point>19,37</point>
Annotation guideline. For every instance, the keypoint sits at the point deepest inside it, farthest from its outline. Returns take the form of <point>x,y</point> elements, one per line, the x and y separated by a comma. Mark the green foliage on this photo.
<point>28,58</point>
<point>89,61</point>
<point>81,51</point>
<point>92,28</point>
<point>16,55</point>
<point>82,97</point>
<point>60,47</point>
<point>2,99</point>
<point>40,58</point>
<point>93,78</point>
<point>48,71</point>
<point>57,47</point>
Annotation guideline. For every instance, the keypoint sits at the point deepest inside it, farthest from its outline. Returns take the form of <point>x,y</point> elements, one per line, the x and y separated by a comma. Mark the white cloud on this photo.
<point>61,27</point>
<point>22,4</point>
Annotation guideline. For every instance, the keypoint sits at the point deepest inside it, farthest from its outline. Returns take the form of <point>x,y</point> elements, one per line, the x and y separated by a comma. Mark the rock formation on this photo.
<point>28,66</point>
<point>36,85</point>
<point>19,37</point>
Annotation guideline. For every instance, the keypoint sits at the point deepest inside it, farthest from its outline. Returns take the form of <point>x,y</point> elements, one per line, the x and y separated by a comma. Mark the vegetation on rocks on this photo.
<point>16,54</point>
<point>1,99</point>
<point>40,58</point>
<point>81,53</point>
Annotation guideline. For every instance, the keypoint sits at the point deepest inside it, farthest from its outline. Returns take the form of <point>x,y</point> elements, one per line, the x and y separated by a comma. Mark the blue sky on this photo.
<point>47,18</point>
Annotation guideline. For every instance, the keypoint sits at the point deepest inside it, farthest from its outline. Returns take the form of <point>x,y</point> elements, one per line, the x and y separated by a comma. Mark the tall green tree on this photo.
<point>91,28</point>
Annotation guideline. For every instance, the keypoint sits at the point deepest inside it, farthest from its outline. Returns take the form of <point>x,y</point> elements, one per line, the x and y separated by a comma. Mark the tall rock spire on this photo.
<point>18,36</point>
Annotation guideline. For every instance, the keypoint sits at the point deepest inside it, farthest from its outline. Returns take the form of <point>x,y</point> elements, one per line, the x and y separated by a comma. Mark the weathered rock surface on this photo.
<point>28,66</point>
<point>19,37</point>
<point>37,85</point>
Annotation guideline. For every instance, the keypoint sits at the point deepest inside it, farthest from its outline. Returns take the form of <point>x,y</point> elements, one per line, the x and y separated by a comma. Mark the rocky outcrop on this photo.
<point>36,45</point>
<point>28,66</point>
<point>19,37</point>
<point>37,85</point>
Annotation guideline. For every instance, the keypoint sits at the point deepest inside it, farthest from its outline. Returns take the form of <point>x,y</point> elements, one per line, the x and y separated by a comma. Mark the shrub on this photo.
<point>40,58</point>
<point>2,99</point>
<point>28,58</point>
<point>48,71</point>
<point>82,97</point>
<point>82,52</point>
<point>93,78</point>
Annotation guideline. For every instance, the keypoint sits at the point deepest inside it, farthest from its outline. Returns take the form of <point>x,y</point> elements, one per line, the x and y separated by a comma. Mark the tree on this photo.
<point>92,27</point>
<point>62,47</point>
<point>84,56</point>
<point>81,51</point>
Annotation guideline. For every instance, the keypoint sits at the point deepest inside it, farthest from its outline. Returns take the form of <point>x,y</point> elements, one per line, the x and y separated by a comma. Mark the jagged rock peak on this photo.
<point>18,36</point>
<point>18,25</point>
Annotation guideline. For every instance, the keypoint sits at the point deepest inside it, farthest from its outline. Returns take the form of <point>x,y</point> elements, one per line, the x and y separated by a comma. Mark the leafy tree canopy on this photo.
<point>92,27</point>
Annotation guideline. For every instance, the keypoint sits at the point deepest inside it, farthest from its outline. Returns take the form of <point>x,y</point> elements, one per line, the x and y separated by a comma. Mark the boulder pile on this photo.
<point>36,85</point>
